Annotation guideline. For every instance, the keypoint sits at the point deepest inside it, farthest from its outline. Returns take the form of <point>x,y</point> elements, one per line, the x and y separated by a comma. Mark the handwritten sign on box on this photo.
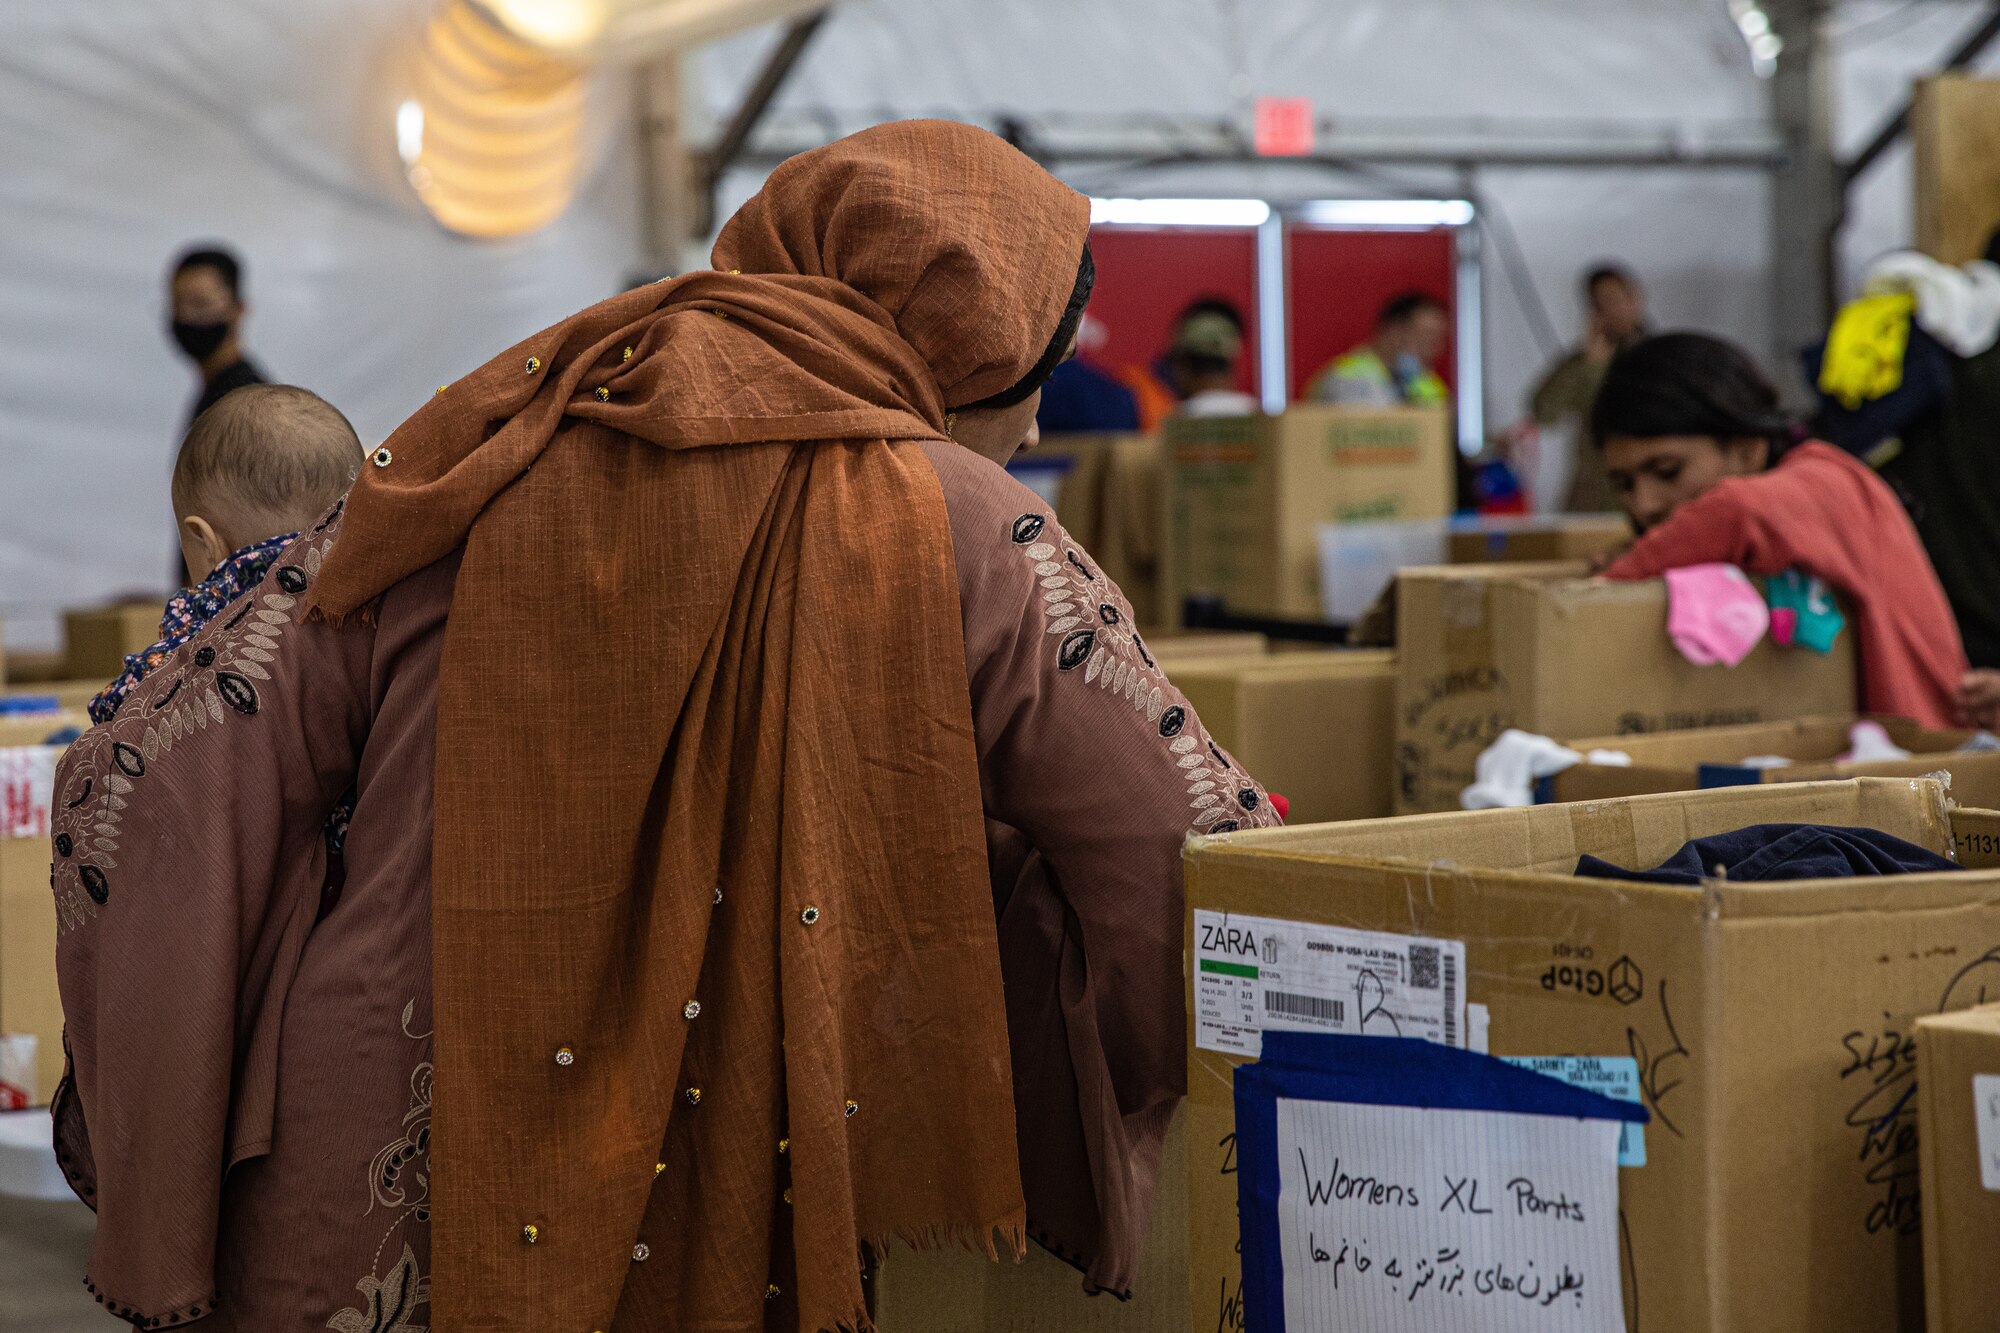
<point>1397,1218</point>
<point>1396,1185</point>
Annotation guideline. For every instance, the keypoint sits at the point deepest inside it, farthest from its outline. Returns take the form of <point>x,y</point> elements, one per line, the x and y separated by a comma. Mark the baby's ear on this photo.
<point>201,538</point>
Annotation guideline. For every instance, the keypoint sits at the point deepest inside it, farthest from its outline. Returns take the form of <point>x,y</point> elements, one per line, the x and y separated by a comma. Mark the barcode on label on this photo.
<point>1423,967</point>
<point>1450,998</point>
<point>1312,1007</point>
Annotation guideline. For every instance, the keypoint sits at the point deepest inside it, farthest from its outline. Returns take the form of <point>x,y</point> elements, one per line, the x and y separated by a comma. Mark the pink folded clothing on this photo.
<point>1715,615</point>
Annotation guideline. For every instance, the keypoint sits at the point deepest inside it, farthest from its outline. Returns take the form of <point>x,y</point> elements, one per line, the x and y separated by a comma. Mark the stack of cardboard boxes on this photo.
<point>29,1003</point>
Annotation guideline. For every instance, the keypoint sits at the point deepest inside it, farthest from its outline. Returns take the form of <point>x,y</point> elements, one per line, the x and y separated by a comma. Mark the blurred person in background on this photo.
<point>1161,387</point>
<point>1208,355</point>
<point>1396,367</point>
<point>1562,401</point>
<point>206,295</point>
<point>1082,397</point>
<point>1703,459</point>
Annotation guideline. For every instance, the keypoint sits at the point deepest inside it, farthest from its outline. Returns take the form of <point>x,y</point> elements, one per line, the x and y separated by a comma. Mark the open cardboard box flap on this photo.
<point>1639,832</point>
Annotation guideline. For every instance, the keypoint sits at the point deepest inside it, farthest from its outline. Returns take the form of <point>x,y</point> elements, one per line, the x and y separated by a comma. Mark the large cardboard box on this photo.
<point>1958,1114</point>
<point>953,1291</point>
<point>1955,127</point>
<point>1106,493</point>
<point>1712,757</point>
<point>1317,727</point>
<point>99,638</point>
<point>1767,1020</point>
<point>29,1001</point>
<point>1245,497</point>
<point>1481,648</point>
<point>1511,540</point>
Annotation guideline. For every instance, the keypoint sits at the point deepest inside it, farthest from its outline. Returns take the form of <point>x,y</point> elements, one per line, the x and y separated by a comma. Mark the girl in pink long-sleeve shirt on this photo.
<point>1700,456</point>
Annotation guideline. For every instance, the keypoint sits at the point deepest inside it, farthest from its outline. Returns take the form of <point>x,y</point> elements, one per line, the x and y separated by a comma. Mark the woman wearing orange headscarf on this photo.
<point>683,656</point>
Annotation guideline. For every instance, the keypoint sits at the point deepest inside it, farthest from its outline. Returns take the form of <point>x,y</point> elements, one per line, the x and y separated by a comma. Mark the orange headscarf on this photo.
<point>707,806</point>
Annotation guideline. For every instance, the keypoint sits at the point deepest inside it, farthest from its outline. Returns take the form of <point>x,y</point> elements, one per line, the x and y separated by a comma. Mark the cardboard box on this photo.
<point>1481,648</point>
<point>1712,757</point>
<point>29,1001</point>
<point>1187,647</point>
<point>98,639</point>
<point>1511,540</point>
<point>1958,1115</point>
<point>1106,494</point>
<point>1778,1194</point>
<point>953,1291</point>
<point>1976,838</point>
<point>31,667</point>
<point>1317,727</point>
<point>1955,130</point>
<point>1245,497</point>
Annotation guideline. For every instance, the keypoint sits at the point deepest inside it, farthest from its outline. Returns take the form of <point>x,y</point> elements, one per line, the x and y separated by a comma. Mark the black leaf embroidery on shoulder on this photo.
<point>1076,650</point>
<point>237,692</point>
<point>130,762</point>
<point>83,795</point>
<point>1172,721</point>
<point>63,844</point>
<point>237,619</point>
<point>1220,758</point>
<point>1082,568</point>
<point>292,579</point>
<point>1028,527</point>
<point>1248,798</point>
<point>95,884</point>
<point>1108,613</point>
<point>1144,656</point>
<point>168,697</point>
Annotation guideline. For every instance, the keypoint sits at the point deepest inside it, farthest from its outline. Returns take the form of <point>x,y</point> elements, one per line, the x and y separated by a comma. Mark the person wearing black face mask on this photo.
<point>207,294</point>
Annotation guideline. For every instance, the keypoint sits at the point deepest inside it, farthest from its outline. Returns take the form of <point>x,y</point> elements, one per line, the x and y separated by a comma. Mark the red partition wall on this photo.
<point>1147,275</point>
<point>1338,278</point>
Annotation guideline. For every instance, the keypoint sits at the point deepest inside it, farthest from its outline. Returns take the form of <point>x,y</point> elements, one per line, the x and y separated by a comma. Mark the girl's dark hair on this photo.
<point>1688,384</point>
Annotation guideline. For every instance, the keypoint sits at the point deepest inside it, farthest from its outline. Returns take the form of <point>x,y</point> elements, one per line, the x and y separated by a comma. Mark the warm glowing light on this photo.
<point>491,141</point>
<point>559,25</point>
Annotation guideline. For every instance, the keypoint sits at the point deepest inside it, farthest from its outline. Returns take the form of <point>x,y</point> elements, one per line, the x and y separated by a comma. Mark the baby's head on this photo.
<point>267,459</point>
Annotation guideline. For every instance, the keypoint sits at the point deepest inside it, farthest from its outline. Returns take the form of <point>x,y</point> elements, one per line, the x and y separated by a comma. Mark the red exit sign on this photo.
<point>1284,126</point>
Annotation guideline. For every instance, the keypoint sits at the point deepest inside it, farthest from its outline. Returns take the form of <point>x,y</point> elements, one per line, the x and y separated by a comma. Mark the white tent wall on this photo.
<point>129,128</point>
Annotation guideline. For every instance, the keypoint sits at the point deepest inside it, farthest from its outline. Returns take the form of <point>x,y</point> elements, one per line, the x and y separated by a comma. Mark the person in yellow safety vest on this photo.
<point>1394,367</point>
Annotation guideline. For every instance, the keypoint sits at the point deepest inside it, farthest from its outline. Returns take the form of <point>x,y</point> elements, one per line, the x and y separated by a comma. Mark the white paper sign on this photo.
<point>1986,1116</point>
<point>1397,1219</point>
<point>1253,973</point>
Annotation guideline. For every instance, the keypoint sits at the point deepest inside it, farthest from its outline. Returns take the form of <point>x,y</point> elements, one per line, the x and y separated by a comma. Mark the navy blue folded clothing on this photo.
<point>1782,851</point>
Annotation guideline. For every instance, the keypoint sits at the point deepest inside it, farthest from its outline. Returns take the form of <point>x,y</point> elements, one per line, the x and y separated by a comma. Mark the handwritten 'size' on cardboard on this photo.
<point>1399,1219</point>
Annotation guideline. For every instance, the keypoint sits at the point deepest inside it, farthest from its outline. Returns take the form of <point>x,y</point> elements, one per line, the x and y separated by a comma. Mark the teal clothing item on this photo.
<point>1803,611</point>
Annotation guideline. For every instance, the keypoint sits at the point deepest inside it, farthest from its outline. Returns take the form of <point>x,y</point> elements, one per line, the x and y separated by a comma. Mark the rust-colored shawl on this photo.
<point>704,739</point>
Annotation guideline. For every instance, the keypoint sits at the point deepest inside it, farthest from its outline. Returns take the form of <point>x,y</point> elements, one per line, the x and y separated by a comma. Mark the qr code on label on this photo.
<point>1423,967</point>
